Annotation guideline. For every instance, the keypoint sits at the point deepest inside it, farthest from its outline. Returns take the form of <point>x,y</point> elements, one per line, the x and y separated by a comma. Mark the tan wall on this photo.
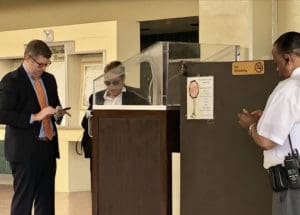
<point>288,16</point>
<point>245,22</point>
<point>32,14</point>
<point>224,22</point>
<point>87,37</point>
<point>262,19</point>
<point>73,171</point>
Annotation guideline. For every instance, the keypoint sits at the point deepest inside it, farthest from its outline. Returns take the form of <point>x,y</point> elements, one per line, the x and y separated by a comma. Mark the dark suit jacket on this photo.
<point>18,101</point>
<point>128,98</point>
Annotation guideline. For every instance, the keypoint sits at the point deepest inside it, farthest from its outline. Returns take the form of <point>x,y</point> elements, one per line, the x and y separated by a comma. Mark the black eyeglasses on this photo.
<point>41,65</point>
<point>113,82</point>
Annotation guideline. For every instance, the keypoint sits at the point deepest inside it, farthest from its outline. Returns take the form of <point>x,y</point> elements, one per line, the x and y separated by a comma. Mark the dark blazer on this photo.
<point>18,101</point>
<point>128,98</point>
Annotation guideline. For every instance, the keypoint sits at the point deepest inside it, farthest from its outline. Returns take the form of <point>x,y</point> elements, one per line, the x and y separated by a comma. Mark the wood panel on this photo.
<point>221,167</point>
<point>132,162</point>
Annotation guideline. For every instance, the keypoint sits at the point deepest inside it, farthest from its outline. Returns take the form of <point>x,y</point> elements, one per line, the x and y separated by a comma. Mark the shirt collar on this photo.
<point>107,97</point>
<point>27,73</point>
<point>296,72</point>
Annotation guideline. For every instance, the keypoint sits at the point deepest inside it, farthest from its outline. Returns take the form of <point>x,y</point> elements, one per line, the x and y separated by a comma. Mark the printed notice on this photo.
<point>200,97</point>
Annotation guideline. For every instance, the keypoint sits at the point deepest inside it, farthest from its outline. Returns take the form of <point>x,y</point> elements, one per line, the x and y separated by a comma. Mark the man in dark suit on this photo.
<point>116,93</point>
<point>31,143</point>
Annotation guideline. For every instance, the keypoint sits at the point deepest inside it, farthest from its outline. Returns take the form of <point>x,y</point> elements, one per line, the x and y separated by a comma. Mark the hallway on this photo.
<point>75,203</point>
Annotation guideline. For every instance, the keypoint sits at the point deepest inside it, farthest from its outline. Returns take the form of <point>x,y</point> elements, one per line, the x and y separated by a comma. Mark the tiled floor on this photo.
<point>75,203</point>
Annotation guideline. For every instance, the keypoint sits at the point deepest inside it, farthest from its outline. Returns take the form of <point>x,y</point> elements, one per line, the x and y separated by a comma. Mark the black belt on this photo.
<point>45,139</point>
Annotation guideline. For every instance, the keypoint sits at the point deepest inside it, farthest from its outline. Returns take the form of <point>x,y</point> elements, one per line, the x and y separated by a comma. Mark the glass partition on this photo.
<point>147,74</point>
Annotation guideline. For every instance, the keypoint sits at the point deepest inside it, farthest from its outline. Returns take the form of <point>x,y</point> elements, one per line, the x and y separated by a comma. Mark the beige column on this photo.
<point>288,16</point>
<point>263,14</point>
<point>128,39</point>
<point>245,23</point>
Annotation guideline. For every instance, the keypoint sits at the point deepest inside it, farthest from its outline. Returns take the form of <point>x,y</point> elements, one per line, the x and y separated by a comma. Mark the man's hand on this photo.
<point>246,118</point>
<point>257,114</point>
<point>46,111</point>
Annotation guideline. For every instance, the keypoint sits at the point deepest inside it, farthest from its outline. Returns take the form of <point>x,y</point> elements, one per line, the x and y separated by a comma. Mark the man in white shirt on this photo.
<point>279,124</point>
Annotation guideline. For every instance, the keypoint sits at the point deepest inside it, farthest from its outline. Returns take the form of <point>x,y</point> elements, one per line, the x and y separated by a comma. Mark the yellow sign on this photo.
<point>248,68</point>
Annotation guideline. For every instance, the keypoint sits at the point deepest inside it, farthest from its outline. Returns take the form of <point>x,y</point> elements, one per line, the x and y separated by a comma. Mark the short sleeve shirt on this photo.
<point>280,118</point>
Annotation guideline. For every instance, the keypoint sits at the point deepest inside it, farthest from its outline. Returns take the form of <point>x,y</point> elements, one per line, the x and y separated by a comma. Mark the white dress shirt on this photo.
<point>280,118</point>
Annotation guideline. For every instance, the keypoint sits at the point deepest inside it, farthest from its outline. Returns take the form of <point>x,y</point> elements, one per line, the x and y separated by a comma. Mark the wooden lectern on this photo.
<point>132,161</point>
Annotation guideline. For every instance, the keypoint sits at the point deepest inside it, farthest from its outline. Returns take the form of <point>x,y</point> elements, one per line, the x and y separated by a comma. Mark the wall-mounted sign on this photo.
<point>58,53</point>
<point>200,97</point>
<point>248,68</point>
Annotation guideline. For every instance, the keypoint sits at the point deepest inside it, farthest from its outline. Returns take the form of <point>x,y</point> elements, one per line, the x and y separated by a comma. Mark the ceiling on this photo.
<point>165,26</point>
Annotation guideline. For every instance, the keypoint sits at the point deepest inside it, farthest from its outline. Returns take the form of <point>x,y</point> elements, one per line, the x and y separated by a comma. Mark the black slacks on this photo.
<point>34,182</point>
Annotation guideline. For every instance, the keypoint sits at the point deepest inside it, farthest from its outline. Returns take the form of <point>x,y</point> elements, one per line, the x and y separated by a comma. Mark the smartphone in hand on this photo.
<point>60,114</point>
<point>64,111</point>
